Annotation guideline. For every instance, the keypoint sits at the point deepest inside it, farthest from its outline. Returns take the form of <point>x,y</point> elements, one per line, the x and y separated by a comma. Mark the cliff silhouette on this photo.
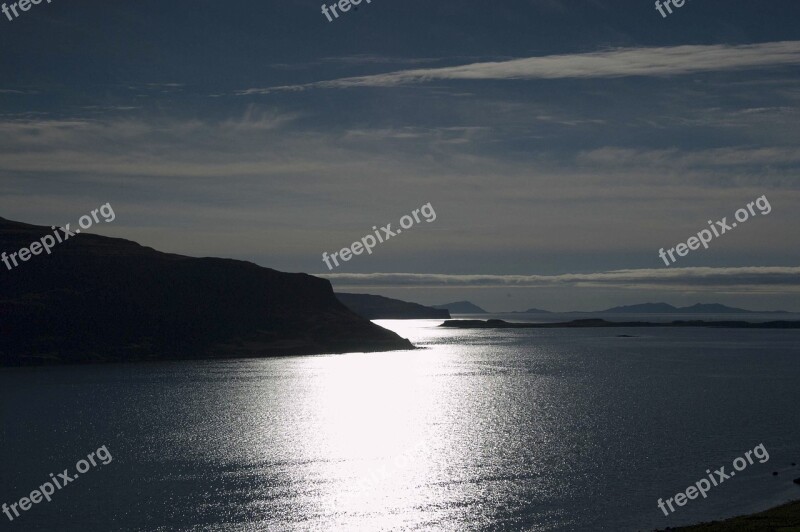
<point>383,308</point>
<point>100,299</point>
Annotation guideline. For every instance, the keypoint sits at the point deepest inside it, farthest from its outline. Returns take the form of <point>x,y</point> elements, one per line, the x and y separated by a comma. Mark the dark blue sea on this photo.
<point>548,429</point>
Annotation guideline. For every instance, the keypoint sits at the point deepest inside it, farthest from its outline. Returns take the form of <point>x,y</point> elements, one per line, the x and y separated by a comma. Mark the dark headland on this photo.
<point>100,299</point>
<point>384,308</point>
<point>461,307</point>
<point>500,324</point>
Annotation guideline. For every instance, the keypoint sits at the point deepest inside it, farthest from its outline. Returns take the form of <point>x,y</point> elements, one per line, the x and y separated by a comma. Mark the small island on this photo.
<point>590,323</point>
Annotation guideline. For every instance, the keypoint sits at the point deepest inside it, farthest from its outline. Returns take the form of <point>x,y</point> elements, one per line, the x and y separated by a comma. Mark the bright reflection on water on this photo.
<point>479,430</point>
<point>385,441</point>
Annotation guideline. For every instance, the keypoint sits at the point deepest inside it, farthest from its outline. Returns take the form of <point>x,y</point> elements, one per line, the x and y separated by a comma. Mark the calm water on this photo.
<point>482,430</point>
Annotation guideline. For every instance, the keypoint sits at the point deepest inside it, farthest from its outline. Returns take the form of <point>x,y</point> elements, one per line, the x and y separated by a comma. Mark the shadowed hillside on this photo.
<point>384,308</point>
<point>107,299</point>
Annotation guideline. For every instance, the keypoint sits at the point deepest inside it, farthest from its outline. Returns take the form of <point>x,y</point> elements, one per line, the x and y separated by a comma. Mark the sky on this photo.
<point>561,144</point>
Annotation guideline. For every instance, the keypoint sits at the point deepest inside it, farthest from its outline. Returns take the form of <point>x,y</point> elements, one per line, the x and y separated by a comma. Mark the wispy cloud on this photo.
<point>356,60</point>
<point>367,59</point>
<point>674,158</point>
<point>747,279</point>
<point>15,91</point>
<point>620,62</point>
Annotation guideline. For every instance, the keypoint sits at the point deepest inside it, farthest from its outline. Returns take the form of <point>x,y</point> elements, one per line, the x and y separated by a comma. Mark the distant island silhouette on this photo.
<point>531,311</point>
<point>383,308</point>
<point>467,307</point>
<point>461,307</point>
<point>500,324</point>
<point>100,299</point>
<point>698,308</point>
<point>657,308</point>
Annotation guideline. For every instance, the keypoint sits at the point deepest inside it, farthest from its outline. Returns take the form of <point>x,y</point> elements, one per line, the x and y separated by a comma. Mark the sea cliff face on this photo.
<point>100,299</point>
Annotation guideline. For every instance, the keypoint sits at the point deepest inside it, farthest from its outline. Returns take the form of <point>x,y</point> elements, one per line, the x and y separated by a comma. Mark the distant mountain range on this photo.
<point>100,299</point>
<point>660,308</point>
<point>666,308</point>
<point>383,308</point>
<point>461,307</point>
<point>597,323</point>
<point>378,307</point>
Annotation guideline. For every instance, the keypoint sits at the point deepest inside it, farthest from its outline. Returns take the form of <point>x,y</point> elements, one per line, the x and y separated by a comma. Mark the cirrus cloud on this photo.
<point>615,63</point>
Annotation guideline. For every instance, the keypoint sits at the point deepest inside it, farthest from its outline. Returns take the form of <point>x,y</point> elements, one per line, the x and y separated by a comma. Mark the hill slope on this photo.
<point>107,299</point>
<point>461,307</point>
<point>383,308</point>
